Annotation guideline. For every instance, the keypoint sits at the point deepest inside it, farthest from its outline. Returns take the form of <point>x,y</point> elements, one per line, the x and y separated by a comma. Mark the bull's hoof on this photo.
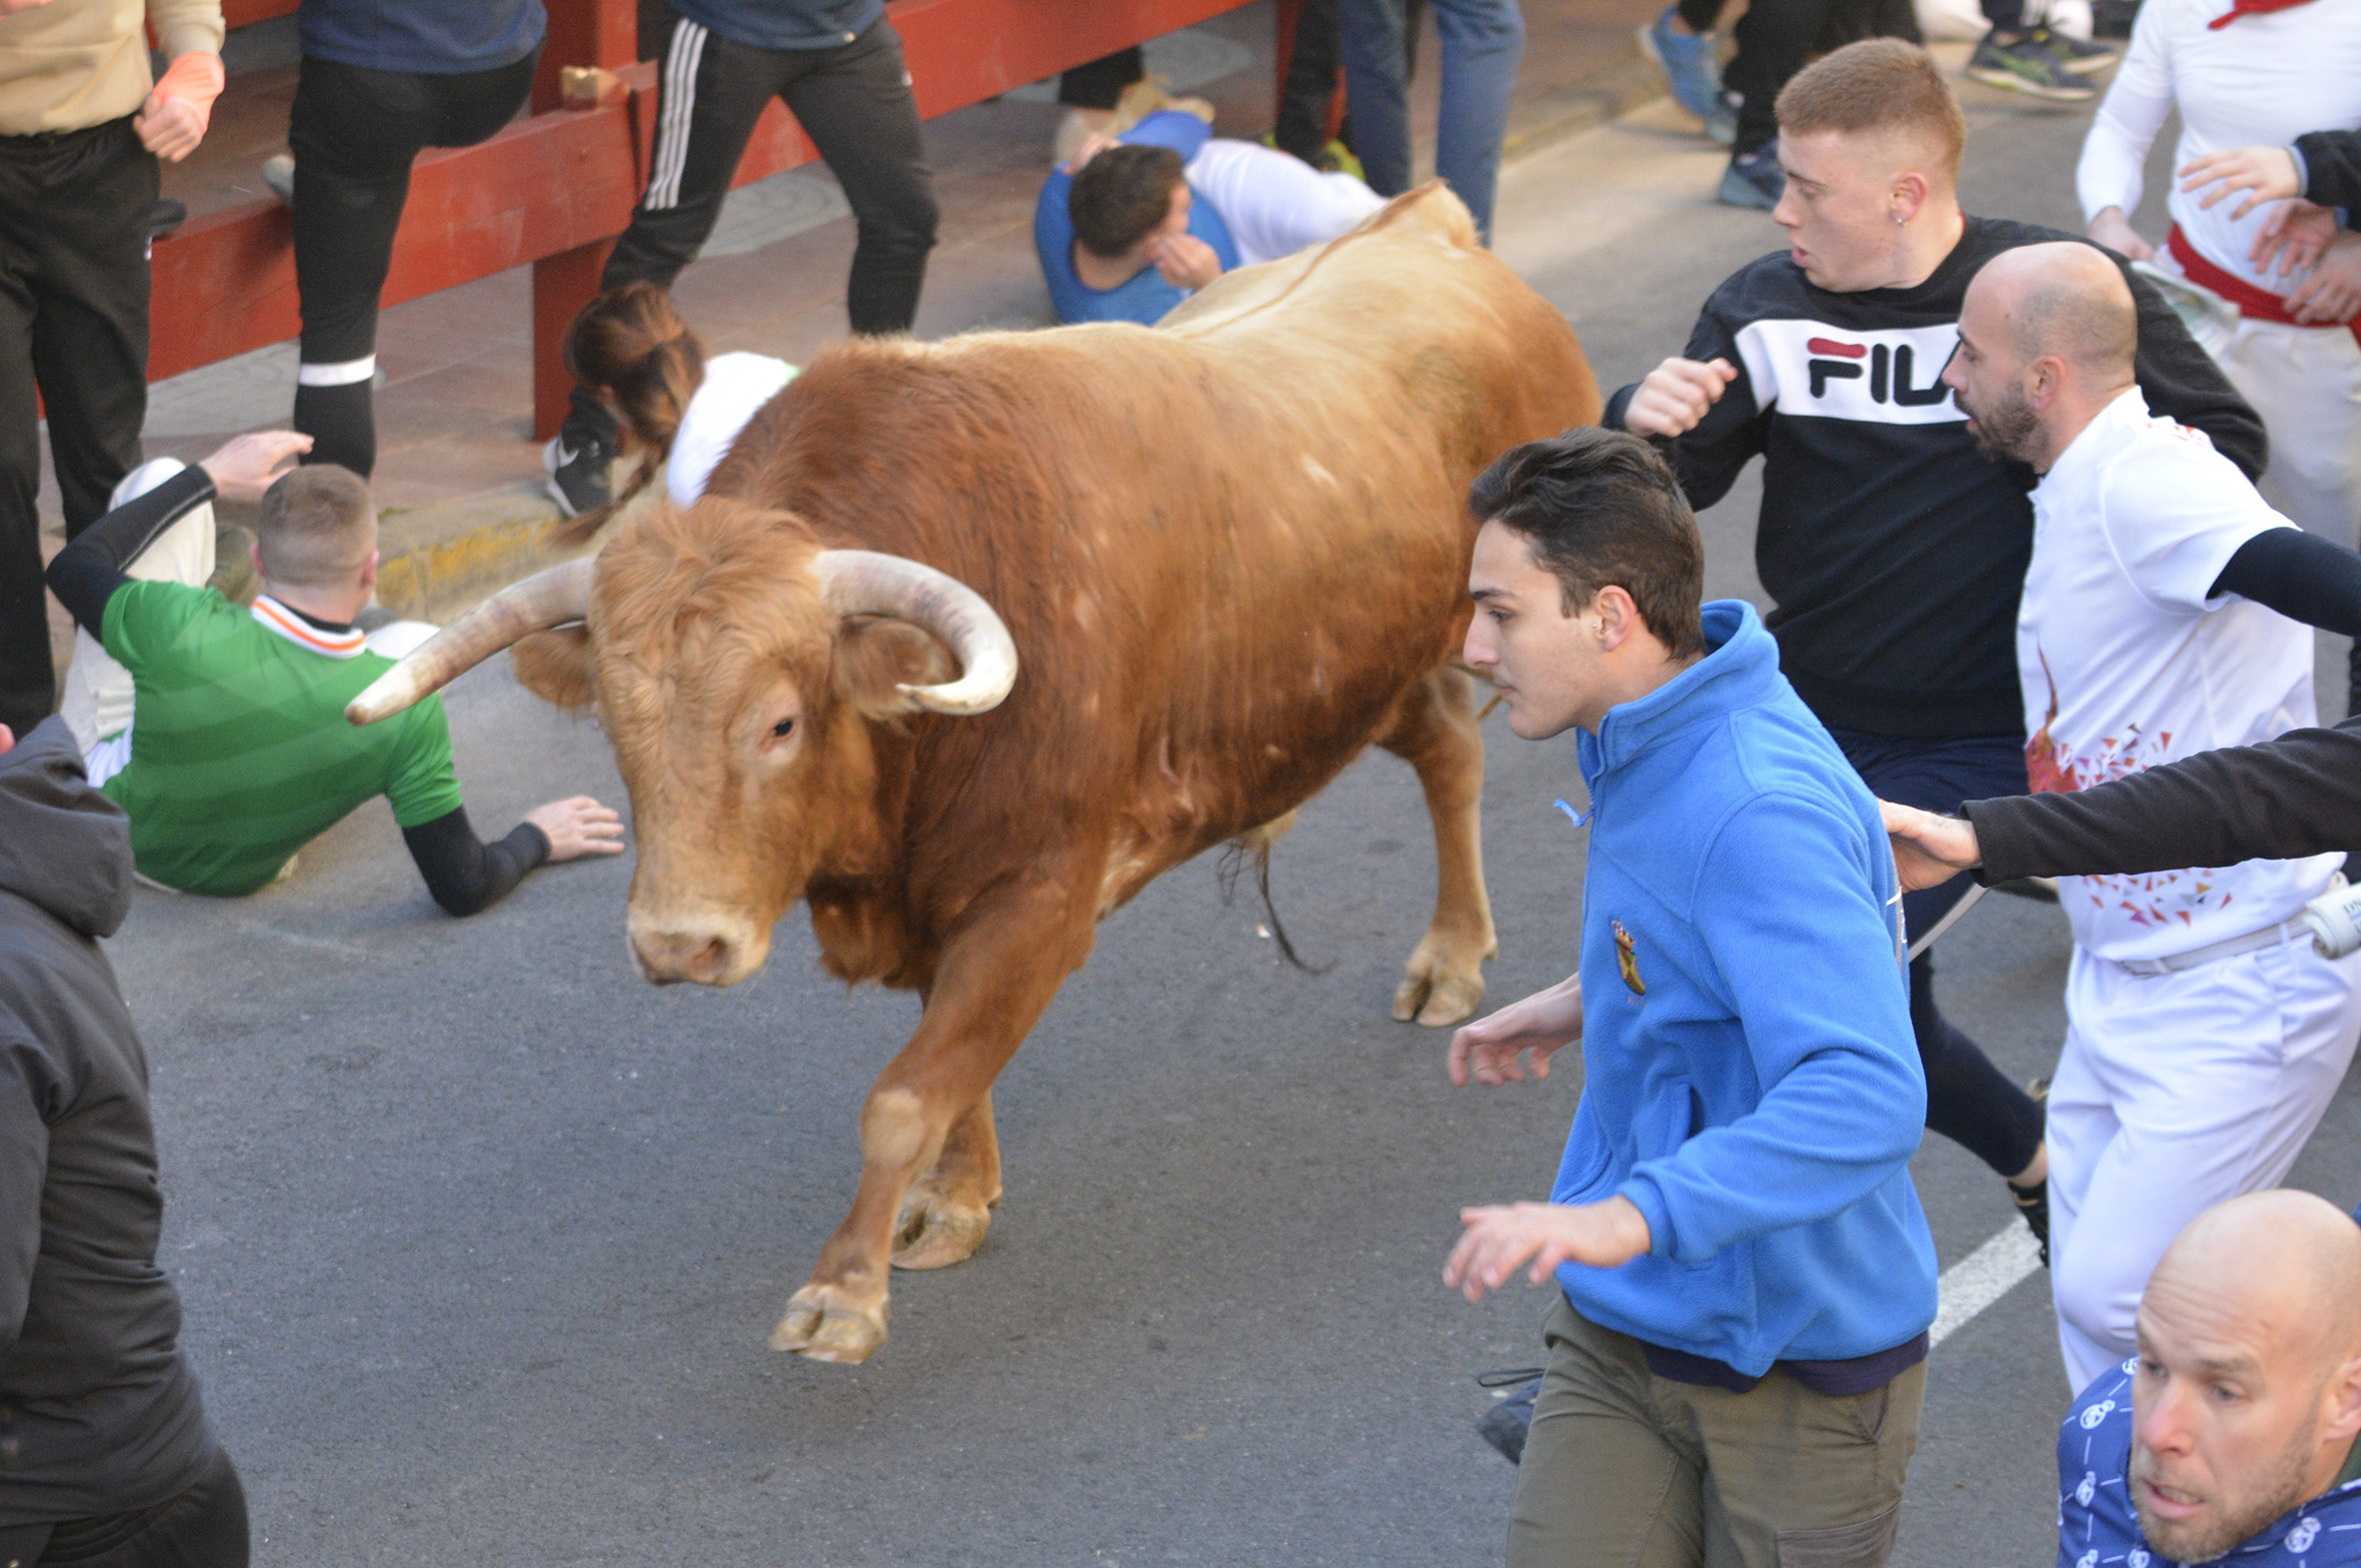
<point>937,1229</point>
<point>827,1324</point>
<point>1437,1001</point>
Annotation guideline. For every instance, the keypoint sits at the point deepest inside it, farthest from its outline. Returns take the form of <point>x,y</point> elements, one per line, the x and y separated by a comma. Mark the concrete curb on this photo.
<point>442,560</point>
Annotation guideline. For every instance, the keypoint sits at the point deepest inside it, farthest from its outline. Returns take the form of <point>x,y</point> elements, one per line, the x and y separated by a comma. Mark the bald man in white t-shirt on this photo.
<point>2204,1035</point>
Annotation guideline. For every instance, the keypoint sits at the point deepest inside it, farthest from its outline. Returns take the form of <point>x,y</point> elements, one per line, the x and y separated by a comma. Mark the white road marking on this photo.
<point>1981,1278</point>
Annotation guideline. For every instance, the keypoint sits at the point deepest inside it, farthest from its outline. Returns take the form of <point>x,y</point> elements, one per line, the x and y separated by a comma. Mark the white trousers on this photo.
<point>2175,1092</point>
<point>96,704</point>
<point>2306,383</point>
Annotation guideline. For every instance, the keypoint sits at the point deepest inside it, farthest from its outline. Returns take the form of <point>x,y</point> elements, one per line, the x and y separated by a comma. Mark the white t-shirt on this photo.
<point>2127,665</point>
<point>734,386</point>
<point>2263,80</point>
<point>1274,203</point>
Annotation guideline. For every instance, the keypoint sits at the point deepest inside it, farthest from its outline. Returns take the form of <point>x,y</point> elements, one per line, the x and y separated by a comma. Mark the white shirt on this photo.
<point>2127,665</point>
<point>1274,203</point>
<point>736,386</point>
<point>2263,80</point>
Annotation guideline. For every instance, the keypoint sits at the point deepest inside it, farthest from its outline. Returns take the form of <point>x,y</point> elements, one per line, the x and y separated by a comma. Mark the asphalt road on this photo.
<point>480,1237</point>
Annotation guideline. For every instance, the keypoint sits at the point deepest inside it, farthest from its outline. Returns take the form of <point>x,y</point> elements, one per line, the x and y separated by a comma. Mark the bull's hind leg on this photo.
<point>928,1117</point>
<point>949,1210</point>
<point>1435,732</point>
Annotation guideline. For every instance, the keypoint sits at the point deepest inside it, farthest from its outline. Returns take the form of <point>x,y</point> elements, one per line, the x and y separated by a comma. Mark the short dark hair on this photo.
<point>316,527</point>
<point>1602,506</point>
<point>1120,195</point>
<point>1877,85</point>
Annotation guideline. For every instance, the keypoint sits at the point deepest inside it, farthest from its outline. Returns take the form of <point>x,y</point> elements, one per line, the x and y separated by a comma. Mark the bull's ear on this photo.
<point>875,655</point>
<point>555,666</point>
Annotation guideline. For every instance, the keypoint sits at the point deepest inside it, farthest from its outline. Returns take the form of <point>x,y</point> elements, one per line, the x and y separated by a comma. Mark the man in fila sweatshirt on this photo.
<point>1894,551</point>
<point>1738,1342</point>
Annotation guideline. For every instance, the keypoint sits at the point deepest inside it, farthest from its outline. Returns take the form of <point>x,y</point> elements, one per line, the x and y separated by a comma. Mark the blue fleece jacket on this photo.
<point>1750,1080</point>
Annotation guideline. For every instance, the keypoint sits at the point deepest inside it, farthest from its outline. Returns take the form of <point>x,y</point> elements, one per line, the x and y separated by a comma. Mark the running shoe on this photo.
<point>1507,1424</point>
<point>1753,179</point>
<point>578,477</point>
<point>279,174</point>
<point>1690,67</point>
<point>1722,124</point>
<point>2027,66</point>
<point>2075,54</point>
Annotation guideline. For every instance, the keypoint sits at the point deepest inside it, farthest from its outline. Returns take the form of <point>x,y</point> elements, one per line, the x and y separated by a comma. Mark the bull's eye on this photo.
<point>783,729</point>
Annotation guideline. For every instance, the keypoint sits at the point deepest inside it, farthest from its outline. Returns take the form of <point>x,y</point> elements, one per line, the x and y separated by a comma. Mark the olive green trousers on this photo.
<point>1626,1469</point>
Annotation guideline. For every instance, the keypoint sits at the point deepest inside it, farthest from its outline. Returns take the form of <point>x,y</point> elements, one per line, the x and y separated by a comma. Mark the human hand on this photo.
<point>578,826</point>
<point>1676,395</point>
<point>1092,145</point>
<point>170,128</point>
<point>244,467</point>
<point>2111,228</point>
<point>1493,1048</point>
<point>2297,234</point>
<point>1185,261</point>
<point>2332,294</point>
<point>1928,849</point>
<point>2268,172</point>
<point>1500,1238</point>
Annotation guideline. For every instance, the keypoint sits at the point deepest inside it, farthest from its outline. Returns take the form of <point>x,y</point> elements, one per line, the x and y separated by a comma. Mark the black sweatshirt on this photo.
<point>462,873</point>
<point>99,1413</point>
<point>2332,168</point>
<point>2299,794</point>
<point>1894,552</point>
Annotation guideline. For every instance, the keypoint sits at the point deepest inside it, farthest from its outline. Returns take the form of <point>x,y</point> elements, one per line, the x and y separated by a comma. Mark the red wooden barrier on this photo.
<point>556,188</point>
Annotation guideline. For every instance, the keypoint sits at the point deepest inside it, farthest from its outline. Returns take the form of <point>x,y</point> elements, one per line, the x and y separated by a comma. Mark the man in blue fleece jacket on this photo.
<point>1737,1351</point>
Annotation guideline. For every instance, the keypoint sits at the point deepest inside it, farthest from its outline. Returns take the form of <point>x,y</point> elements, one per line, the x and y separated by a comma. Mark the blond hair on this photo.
<point>316,528</point>
<point>1879,85</point>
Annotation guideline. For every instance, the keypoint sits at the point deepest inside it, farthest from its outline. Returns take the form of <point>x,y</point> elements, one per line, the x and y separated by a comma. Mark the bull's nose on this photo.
<point>704,954</point>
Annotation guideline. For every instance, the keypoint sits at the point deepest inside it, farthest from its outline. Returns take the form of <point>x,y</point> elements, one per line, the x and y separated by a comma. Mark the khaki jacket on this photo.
<point>77,63</point>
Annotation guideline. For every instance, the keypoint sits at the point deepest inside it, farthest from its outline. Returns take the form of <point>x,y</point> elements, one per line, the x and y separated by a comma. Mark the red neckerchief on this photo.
<point>2239,8</point>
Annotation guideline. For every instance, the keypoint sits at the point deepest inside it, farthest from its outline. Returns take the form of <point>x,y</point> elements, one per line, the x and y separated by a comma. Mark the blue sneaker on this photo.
<point>1753,179</point>
<point>1506,1423</point>
<point>1688,62</point>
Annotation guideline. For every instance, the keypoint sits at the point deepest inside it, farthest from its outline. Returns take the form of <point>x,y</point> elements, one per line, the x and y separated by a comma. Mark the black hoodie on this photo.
<point>98,1410</point>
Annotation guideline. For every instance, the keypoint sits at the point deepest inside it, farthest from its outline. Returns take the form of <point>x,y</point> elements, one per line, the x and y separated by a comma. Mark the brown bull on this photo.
<point>1210,563</point>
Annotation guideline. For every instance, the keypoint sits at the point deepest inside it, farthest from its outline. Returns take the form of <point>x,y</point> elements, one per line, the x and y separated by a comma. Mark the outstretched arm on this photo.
<point>466,875</point>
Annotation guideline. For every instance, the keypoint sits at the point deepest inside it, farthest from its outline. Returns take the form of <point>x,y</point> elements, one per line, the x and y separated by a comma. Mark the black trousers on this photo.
<point>354,134</point>
<point>1968,1099</point>
<point>1778,38</point>
<point>1303,127</point>
<point>853,102</point>
<point>74,211</point>
<point>204,1527</point>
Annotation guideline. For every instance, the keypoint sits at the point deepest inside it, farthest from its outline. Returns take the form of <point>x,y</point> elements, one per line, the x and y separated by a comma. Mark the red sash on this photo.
<point>2253,303</point>
<point>2239,8</point>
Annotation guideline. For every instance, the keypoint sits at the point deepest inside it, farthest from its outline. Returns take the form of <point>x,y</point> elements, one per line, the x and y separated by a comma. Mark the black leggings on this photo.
<point>854,102</point>
<point>1778,38</point>
<point>354,134</point>
<point>1303,127</point>
<point>204,1527</point>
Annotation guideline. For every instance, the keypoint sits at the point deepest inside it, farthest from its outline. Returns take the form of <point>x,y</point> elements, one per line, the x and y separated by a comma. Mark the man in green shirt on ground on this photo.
<point>238,753</point>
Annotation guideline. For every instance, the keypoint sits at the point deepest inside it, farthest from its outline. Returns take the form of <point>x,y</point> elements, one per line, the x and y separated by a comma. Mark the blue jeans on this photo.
<point>1482,43</point>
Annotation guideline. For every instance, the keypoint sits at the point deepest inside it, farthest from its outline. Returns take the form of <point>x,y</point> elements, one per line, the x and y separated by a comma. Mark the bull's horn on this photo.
<point>546,599</point>
<point>866,582</point>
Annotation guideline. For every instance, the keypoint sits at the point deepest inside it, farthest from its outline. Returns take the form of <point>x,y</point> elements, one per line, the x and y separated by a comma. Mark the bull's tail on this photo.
<point>1254,844</point>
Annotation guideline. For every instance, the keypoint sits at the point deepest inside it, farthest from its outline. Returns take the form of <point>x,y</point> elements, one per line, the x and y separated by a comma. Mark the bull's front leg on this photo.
<point>1435,731</point>
<point>930,1116</point>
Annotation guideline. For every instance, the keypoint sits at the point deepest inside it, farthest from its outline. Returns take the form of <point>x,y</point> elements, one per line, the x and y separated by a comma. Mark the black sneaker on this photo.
<point>2076,55</point>
<point>579,481</point>
<point>1506,1423</point>
<point>1753,179</point>
<point>2026,66</point>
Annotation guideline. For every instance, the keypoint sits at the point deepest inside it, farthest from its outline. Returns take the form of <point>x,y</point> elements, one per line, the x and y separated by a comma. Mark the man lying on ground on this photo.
<point>238,753</point>
<point>1132,227</point>
<point>1744,1278</point>
<point>2230,1433</point>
